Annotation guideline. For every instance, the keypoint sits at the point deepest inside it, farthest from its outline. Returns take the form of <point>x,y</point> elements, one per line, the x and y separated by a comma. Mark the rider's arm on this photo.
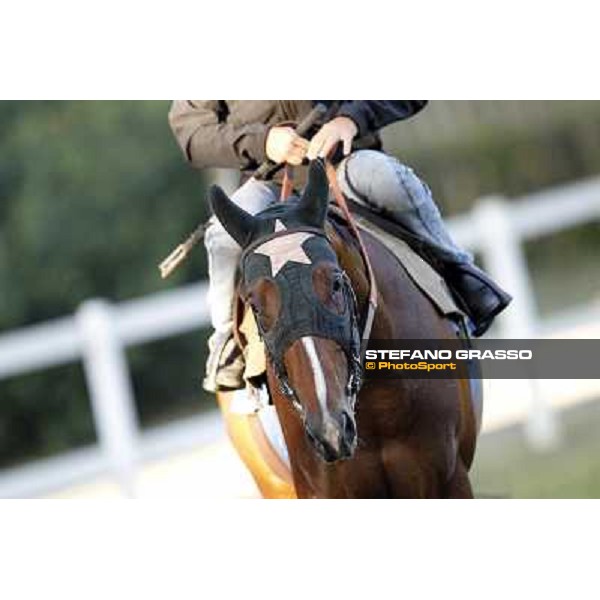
<point>208,140</point>
<point>372,115</point>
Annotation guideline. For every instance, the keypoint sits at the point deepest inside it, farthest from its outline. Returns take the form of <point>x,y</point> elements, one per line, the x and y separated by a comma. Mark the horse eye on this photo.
<point>336,285</point>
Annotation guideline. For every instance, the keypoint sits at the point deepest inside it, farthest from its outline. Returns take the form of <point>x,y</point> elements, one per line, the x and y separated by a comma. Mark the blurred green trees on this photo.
<point>467,149</point>
<point>92,196</point>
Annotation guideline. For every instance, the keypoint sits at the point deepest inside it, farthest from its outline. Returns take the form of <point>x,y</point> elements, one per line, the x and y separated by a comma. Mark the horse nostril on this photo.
<point>314,440</point>
<point>310,435</point>
<point>349,426</point>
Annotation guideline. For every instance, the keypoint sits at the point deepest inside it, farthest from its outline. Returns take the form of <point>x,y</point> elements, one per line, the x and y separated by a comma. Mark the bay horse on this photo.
<point>306,283</point>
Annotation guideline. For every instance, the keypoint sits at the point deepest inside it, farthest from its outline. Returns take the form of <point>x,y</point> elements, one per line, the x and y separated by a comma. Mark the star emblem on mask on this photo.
<point>284,249</point>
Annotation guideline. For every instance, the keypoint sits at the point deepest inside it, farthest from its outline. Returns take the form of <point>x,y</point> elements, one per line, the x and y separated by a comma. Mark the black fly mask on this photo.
<point>284,244</point>
<point>287,258</point>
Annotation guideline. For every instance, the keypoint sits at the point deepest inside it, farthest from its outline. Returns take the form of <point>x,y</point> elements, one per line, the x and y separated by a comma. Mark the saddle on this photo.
<point>411,254</point>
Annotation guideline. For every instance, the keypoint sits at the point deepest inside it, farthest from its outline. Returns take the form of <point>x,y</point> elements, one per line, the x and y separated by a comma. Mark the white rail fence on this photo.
<point>100,332</point>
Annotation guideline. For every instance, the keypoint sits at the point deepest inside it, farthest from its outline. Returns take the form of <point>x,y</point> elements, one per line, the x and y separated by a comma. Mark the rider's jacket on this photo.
<point>232,133</point>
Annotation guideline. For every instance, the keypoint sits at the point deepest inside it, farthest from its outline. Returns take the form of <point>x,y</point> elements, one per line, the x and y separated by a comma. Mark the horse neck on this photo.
<point>350,259</point>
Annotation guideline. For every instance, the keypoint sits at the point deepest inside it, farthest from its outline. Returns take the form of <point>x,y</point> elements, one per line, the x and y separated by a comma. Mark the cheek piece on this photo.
<point>303,314</point>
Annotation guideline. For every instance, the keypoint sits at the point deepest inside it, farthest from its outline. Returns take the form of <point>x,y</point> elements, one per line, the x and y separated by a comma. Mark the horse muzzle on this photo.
<point>334,440</point>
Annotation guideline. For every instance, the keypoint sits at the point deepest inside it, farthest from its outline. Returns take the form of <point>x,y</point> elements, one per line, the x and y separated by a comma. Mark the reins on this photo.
<point>373,291</point>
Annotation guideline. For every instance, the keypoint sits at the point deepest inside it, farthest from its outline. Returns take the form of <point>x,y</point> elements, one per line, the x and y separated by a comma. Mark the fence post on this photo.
<point>110,390</point>
<point>504,258</point>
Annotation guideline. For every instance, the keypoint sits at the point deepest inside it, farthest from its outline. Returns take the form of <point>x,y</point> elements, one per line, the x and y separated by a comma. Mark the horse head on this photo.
<point>304,307</point>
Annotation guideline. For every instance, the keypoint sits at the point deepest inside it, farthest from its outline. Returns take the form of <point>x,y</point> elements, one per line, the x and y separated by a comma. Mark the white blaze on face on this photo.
<point>318,375</point>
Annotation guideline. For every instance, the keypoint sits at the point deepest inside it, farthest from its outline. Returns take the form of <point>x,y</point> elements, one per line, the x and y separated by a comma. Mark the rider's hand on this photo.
<point>340,129</point>
<point>284,145</point>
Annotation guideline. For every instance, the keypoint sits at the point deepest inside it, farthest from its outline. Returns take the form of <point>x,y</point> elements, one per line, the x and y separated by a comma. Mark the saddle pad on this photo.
<point>272,430</point>
<point>423,275</point>
<point>252,401</point>
<point>258,440</point>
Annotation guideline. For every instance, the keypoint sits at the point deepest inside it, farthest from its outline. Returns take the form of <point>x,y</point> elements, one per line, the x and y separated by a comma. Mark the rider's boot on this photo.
<point>476,293</point>
<point>225,363</point>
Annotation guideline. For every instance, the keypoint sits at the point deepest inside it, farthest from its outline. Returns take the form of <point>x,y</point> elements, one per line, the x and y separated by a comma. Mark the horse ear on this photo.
<point>237,222</point>
<point>315,197</point>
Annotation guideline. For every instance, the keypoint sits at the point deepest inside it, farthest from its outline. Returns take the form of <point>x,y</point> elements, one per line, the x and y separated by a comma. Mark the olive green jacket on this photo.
<point>232,133</point>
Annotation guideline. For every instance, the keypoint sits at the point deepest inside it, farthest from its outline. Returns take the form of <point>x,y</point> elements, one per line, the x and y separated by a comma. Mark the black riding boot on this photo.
<point>476,293</point>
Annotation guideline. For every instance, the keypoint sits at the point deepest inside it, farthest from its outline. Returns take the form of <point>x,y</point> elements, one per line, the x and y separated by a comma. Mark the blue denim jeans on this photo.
<point>373,178</point>
<point>367,177</point>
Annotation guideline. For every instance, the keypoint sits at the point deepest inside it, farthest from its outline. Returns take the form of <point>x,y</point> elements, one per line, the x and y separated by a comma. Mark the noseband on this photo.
<point>302,313</point>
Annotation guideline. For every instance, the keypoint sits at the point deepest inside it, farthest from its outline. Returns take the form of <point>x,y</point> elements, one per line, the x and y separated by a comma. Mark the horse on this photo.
<point>306,281</point>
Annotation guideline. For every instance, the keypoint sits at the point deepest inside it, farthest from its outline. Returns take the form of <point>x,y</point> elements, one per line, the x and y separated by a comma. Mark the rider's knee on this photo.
<point>217,240</point>
<point>253,197</point>
<point>378,179</point>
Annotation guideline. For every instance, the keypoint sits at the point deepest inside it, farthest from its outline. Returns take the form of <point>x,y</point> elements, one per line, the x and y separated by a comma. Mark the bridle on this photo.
<point>351,338</point>
<point>355,350</point>
<point>307,318</point>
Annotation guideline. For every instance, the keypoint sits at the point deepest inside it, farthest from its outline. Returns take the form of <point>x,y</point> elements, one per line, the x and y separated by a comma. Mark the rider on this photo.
<point>242,134</point>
